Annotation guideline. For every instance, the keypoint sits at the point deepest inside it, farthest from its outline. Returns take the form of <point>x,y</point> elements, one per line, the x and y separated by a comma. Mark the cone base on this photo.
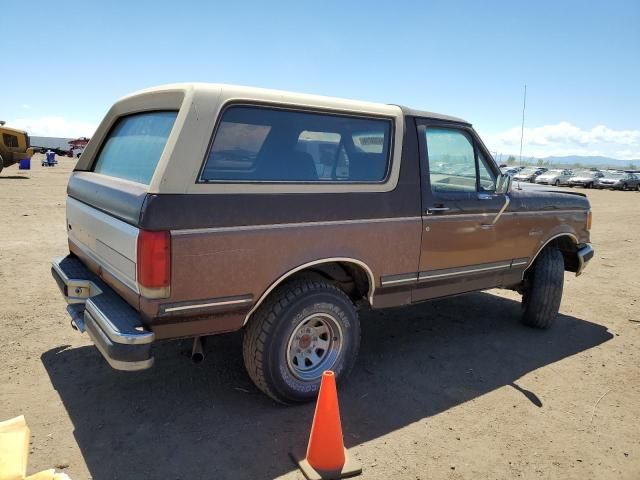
<point>351,467</point>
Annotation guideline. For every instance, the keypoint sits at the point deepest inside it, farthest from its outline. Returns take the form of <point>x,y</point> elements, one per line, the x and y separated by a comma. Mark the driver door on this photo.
<point>461,216</point>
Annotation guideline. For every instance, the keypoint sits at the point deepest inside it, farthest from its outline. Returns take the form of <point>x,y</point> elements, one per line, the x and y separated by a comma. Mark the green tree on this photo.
<point>511,160</point>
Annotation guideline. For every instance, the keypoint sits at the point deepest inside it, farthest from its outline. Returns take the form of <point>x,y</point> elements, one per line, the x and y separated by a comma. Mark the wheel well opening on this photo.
<point>569,249</point>
<point>349,277</point>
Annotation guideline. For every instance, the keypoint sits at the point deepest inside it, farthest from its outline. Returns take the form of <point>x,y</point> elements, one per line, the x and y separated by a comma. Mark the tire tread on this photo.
<point>542,297</point>
<point>264,320</point>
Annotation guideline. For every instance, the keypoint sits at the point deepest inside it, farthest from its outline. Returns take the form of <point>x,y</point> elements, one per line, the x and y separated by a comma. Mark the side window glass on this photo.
<point>487,177</point>
<point>10,141</point>
<point>323,148</point>
<point>226,156</point>
<point>452,166</point>
<point>256,144</point>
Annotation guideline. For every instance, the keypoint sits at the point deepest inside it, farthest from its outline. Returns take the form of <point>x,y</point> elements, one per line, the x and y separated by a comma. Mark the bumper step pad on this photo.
<point>114,326</point>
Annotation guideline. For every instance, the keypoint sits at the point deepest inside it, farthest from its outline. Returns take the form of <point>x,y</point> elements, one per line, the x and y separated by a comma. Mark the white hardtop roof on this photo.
<point>282,96</point>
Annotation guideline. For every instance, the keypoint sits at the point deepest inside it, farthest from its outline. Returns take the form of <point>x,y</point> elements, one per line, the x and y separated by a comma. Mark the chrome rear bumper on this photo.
<point>115,328</point>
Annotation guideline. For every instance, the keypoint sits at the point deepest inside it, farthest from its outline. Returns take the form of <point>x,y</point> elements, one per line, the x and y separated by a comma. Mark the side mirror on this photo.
<point>503,184</point>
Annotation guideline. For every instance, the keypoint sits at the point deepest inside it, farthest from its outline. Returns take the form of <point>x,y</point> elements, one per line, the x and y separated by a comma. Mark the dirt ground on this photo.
<point>452,389</point>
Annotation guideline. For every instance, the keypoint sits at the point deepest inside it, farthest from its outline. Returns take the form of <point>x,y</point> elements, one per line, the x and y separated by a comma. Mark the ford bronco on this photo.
<point>198,209</point>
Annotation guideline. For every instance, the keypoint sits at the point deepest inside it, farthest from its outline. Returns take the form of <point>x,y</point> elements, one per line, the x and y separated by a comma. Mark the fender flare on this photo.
<point>547,242</point>
<point>289,273</point>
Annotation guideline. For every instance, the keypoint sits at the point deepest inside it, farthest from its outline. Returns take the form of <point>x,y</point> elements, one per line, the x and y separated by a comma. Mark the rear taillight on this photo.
<point>154,263</point>
<point>589,220</point>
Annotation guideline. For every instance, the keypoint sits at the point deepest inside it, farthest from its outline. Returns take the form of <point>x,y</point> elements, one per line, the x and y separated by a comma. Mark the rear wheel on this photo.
<point>542,291</point>
<point>305,327</point>
<point>557,183</point>
<point>624,187</point>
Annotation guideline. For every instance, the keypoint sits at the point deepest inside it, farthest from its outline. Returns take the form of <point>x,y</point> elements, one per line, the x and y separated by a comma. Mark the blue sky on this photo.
<point>64,63</point>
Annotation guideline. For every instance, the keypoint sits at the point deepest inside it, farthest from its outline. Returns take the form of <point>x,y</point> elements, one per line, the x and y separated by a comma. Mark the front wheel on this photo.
<point>542,291</point>
<point>557,183</point>
<point>304,328</point>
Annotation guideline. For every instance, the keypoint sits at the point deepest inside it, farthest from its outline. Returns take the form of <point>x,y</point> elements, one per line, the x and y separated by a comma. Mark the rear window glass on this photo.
<point>134,146</point>
<point>258,144</point>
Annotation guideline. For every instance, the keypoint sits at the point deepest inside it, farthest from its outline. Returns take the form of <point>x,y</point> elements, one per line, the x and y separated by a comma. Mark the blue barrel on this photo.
<point>25,164</point>
<point>51,158</point>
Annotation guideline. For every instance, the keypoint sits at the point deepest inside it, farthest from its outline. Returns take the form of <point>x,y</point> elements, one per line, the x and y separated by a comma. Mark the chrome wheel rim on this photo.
<point>314,346</point>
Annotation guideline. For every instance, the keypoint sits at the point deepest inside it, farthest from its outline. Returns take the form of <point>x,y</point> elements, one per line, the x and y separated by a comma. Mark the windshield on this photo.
<point>614,175</point>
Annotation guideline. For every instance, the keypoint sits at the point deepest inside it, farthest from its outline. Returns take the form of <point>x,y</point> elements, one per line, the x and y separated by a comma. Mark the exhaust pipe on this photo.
<point>197,352</point>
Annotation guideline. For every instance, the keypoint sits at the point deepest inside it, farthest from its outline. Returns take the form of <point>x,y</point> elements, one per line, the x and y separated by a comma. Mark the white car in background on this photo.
<point>529,174</point>
<point>555,177</point>
<point>511,171</point>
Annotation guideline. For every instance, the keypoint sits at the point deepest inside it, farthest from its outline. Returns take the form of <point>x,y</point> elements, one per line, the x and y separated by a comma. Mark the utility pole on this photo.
<point>524,105</point>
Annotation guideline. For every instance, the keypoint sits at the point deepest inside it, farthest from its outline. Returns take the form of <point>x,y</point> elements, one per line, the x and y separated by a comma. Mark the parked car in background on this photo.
<point>619,181</point>
<point>511,171</point>
<point>554,177</point>
<point>14,146</point>
<point>585,178</point>
<point>529,174</point>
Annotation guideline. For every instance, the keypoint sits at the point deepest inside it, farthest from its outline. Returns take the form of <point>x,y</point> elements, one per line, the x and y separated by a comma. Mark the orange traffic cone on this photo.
<point>326,457</point>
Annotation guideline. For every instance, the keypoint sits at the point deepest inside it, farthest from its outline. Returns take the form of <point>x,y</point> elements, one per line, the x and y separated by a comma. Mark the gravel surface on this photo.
<point>452,389</point>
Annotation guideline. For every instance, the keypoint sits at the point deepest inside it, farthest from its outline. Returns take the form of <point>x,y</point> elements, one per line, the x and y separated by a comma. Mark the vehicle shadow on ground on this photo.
<point>209,421</point>
<point>13,177</point>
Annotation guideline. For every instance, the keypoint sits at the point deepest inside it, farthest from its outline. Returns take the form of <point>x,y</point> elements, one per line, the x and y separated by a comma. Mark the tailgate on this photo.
<point>110,242</point>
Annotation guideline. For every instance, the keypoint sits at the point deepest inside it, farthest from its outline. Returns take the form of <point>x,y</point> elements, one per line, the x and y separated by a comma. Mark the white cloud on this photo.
<point>54,127</point>
<point>564,139</point>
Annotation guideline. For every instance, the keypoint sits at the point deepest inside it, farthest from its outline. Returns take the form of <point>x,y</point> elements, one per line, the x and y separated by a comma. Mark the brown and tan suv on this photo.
<point>201,209</point>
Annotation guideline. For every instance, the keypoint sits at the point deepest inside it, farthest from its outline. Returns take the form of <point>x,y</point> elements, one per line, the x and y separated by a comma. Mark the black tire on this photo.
<point>589,185</point>
<point>624,187</point>
<point>268,336</point>
<point>542,291</point>
<point>556,183</point>
<point>638,187</point>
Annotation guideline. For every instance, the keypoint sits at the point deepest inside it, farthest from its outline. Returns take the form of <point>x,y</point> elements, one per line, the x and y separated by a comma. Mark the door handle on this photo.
<point>436,209</point>
<point>485,196</point>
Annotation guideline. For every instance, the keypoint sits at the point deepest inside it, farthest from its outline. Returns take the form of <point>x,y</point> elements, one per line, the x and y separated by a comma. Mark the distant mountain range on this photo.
<point>571,160</point>
<point>595,161</point>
